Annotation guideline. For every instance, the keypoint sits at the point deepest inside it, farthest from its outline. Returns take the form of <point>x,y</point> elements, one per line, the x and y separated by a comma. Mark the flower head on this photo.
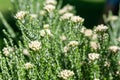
<point>26,52</point>
<point>77,19</point>
<point>28,65</point>
<point>65,74</point>
<point>66,9</point>
<point>20,15</point>
<point>88,33</point>
<point>93,56</point>
<point>49,8</point>
<point>52,2</point>
<point>7,50</point>
<point>101,28</point>
<point>73,43</point>
<point>66,16</point>
<point>35,45</point>
<point>114,49</point>
<point>94,45</point>
<point>63,38</point>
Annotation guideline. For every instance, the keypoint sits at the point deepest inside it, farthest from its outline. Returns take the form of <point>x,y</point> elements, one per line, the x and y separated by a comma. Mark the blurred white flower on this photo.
<point>101,28</point>
<point>52,2</point>
<point>73,43</point>
<point>33,15</point>
<point>66,74</point>
<point>42,33</point>
<point>114,49</point>
<point>77,19</point>
<point>49,7</point>
<point>88,33</point>
<point>7,50</point>
<point>66,49</point>
<point>93,56</point>
<point>35,45</point>
<point>94,45</point>
<point>63,38</point>
<point>66,16</point>
<point>66,9</point>
<point>26,52</point>
<point>28,65</point>
<point>20,15</point>
<point>46,26</point>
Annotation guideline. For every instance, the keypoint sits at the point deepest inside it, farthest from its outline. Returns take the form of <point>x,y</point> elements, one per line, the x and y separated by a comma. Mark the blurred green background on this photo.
<point>90,10</point>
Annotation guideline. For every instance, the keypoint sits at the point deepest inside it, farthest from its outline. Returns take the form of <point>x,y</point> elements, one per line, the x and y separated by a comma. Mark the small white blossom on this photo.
<point>94,36</point>
<point>94,45</point>
<point>107,64</point>
<point>66,16</point>
<point>101,28</point>
<point>63,38</point>
<point>20,15</point>
<point>73,43</point>
<point>83,30</point>
<point>33,15</point>
<point>28,65</point>
<point>96,79</point>
<point>46,26</point>
<point>66,49</point>
<point>49,7</point>
<point>119,62</point>
<point>93,56</point>
<point>26,52</point>
<point>42,12</point>
<point>114,49</point>
<point>88,33</point>
<point>42,33</point>
<point>77,19</point>
<point>7,50</point>
<point>66,74</point>
<point>35,45</point>
<point>48,32</point>
<point>66,9</point>
<point>52,2</point>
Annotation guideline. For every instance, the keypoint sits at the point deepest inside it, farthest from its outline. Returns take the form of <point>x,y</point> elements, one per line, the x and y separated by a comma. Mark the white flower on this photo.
<point>46,26</point>
<point>42,12</point>
<point>83,30</point>
<point>26,52</point>
<point>88,33</point>
<point>66,16</point>
<point>94,36</point>
<point>94,45</point>
<point>96,79</point>
<point>35,45</point>
<point>42,33</point>
<point>63,37</point>
<point>73,43</point>
<point>114,49</point>
<point>107,64</point>
<point>66,49</point>
<point>28,65</point>
<point>66,9</point>
<point>49,8</point>
<point>101,28</point>
<point>119,62</point>
<point>33,15</point>
<point>93,56</point>
<point>20,15</point>
<point>77,19</point>
<point>52,2</point>
<point>48,32</point>
<point>66,74</point>
<point>7,50</point>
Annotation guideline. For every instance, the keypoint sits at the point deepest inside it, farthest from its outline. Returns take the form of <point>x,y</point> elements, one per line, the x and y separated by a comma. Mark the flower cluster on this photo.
<point>7,50</point>
<point>35,45</point>
<point>28,65</point>
<point>65,74</point>
<point>20,15</point>
<point>93,56</point>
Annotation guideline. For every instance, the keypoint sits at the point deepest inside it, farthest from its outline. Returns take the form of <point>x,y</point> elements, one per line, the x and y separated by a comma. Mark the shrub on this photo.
<point>55,45</point>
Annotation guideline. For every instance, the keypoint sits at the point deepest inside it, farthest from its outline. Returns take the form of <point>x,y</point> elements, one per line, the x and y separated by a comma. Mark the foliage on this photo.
<point>55,45</point>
